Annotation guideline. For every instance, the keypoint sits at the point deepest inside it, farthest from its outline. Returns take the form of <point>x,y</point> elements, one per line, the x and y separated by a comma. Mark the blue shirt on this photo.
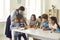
<point>13,25</point>
<point>45,24</point>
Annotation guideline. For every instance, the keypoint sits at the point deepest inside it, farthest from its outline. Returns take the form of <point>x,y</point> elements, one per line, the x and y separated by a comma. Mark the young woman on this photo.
<point>53,23</point>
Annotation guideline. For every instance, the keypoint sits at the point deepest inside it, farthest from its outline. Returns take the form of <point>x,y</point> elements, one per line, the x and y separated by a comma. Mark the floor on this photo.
<point>2,32</point>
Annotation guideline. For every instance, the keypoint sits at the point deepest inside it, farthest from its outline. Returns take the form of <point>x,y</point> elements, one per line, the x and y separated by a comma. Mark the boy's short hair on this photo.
<point>45,16</point>
<point>39,17</point>
<point>21,8</point>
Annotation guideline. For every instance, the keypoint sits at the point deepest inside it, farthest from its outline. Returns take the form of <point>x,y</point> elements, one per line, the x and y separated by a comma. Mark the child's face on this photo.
<point>39,20</point>
<point>43,20</point>
<point>16,20</point>
<point>51,21</point>
<point>21,20</point>
<point>32,18</point>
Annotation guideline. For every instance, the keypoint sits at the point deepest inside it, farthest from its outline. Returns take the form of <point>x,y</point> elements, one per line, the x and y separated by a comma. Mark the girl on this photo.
<point>19,22</point>
<point>23,25</point>
<point>53,23</point>
<point>15,25</point>
<point>33,21</point>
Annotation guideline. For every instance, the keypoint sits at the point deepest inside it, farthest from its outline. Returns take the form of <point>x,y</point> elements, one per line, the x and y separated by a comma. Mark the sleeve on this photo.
<point>13,13</point>
<point>45,25</point>
<point>12,26</point>
<point>55,26</point>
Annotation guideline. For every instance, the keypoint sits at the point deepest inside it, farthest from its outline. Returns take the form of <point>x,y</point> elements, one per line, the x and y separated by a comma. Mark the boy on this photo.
<point>39,21</point>
<point>45,23</point>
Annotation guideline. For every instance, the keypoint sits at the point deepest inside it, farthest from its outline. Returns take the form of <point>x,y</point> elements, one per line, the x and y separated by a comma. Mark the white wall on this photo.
<point>14,4</point>
<point>47,4</point>
<point>4,10</point>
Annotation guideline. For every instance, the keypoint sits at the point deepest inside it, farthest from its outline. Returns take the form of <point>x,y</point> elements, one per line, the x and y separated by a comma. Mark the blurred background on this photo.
<point>37,7</point>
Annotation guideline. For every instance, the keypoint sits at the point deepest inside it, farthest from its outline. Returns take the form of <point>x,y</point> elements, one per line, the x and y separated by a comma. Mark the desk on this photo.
<point>38,33</point>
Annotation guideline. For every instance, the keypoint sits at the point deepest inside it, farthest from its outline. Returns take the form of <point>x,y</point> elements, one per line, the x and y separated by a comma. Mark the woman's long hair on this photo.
<point>55,20</point>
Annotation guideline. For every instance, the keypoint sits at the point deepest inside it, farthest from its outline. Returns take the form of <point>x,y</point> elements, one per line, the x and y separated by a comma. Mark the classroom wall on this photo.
<point>45,5</point>
<point>14,4</point>
<point>56,3</point>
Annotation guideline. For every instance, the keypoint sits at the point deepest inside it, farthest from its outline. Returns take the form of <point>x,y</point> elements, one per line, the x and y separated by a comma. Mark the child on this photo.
<point>15,24</point>
<point>18,23</point>
<point>22,24</point>
<point>33,21</point>
<point>44,24</point>
<point>39,21</point>
<point>53,23</point>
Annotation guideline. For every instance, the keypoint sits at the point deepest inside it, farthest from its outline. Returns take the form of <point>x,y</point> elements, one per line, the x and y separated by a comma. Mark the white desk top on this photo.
<point>40,33</point>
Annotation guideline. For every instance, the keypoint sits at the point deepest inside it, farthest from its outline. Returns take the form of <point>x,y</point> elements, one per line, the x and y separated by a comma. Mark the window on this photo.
<point>33,7</point>
<point>4,9</point>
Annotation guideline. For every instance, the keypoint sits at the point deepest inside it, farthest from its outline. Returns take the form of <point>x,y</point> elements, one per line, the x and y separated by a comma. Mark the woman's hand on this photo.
<point>16,27</point>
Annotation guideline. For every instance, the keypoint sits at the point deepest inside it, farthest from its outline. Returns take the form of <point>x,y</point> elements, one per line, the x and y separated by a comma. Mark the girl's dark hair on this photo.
<point>55,20</point>
<point>34,16</point>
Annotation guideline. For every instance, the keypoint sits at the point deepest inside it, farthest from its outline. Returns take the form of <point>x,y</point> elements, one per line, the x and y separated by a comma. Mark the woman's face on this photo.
<point>32,18</point>
<point>20,11</point>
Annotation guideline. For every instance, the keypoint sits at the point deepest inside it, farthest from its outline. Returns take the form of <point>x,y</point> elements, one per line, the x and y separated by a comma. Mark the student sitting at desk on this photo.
<point>15,25</point>
<point>18,23</point>
<point>33,22</point>
<point>54,24</point>
<point>39,21</point>
<point>44,23</point>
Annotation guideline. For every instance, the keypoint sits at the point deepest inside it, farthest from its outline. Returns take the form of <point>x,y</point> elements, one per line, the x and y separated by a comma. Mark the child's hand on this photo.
<point>19,27</point>
<point>40,27</point>
<point>44,28</point>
